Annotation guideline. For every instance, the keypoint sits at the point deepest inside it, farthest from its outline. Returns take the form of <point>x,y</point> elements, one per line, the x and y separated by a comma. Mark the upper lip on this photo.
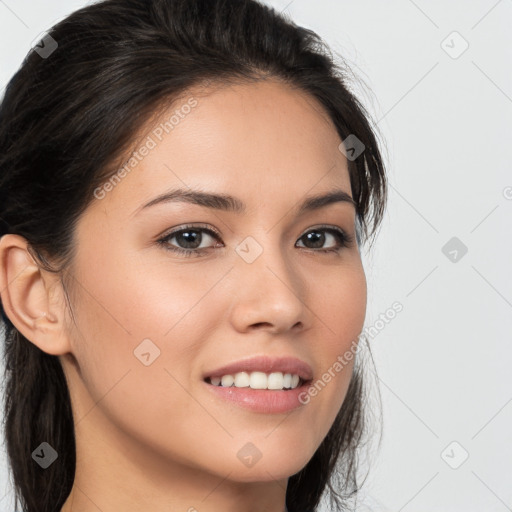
<point>266,364</point>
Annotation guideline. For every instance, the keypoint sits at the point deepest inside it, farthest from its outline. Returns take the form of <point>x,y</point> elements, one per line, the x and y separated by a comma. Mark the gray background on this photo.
<point>443,363</point>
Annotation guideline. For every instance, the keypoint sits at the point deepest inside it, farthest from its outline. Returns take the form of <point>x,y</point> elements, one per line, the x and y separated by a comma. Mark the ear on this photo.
<point>32,297</point>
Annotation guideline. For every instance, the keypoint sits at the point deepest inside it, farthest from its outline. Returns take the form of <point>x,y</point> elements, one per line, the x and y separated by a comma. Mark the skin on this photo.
<point>153,434</point>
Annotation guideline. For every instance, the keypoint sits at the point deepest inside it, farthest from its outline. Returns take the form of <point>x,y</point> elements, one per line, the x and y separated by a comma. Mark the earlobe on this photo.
<point>29,296</point>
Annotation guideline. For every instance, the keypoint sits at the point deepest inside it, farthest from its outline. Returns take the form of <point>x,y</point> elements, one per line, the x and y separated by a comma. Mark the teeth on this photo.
<point>242,380</point>
<point>227,380</point>
<point>258,380</point>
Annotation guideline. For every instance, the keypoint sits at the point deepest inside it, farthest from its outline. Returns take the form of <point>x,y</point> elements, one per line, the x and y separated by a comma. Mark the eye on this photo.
<point>189,236</point>
<point>317,238</point>
<point>192,237</point>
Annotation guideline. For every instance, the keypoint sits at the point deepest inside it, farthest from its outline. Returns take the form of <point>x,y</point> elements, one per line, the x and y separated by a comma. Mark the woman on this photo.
<point>185,190</point>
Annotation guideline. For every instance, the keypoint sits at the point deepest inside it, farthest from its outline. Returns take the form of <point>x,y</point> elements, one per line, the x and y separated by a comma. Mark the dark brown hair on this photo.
<point>67,116</point>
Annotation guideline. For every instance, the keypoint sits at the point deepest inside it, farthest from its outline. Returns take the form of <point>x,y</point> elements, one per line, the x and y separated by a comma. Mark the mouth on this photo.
<point>262,372</point>
<point>278,397</point>
<point>276,381</point>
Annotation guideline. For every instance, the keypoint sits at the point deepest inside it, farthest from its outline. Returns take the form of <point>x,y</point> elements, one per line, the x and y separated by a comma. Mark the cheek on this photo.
<point>340,304</point>
<point>142,297</point>
<point>127,307</point>
<point>341,309</point>
<point>124,322</point>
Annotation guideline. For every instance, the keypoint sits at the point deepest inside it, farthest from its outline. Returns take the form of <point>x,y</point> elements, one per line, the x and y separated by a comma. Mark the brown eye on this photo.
<point>316,238</point>
<point>188,240</point>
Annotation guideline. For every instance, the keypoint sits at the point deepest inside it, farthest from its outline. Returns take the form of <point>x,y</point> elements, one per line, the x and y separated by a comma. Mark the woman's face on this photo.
<point>151,323</point>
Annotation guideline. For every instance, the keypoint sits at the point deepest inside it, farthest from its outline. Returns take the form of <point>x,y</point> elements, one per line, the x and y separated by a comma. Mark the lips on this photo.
<point>265,364</point>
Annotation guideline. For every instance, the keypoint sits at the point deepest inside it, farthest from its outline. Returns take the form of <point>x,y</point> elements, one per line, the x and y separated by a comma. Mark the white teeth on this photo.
<point>275,381</point>
<point>258,380</point>
<point>227,380</point>
<point>242,380</point>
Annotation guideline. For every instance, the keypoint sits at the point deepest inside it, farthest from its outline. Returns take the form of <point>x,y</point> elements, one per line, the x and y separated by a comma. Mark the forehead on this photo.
<point>262,142</point>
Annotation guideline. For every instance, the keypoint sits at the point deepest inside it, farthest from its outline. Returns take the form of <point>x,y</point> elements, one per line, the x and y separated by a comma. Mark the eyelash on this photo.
<point>345,240</point>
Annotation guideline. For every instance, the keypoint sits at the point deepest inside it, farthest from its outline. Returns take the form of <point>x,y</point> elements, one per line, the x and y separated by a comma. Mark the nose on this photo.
<point>269,293</point>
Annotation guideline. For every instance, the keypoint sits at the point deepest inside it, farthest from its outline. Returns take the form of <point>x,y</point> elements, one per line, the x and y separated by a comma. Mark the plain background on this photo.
<point>445,112</point>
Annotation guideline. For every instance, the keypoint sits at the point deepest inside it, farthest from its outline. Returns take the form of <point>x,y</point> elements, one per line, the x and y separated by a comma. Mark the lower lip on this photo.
<point>261,400</point>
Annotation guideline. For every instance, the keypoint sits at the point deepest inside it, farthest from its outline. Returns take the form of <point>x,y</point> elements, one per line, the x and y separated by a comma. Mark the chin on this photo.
<point>268,468</point>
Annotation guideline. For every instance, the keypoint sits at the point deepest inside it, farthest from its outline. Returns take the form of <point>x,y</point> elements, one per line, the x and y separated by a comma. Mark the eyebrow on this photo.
<point>229,203</point>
